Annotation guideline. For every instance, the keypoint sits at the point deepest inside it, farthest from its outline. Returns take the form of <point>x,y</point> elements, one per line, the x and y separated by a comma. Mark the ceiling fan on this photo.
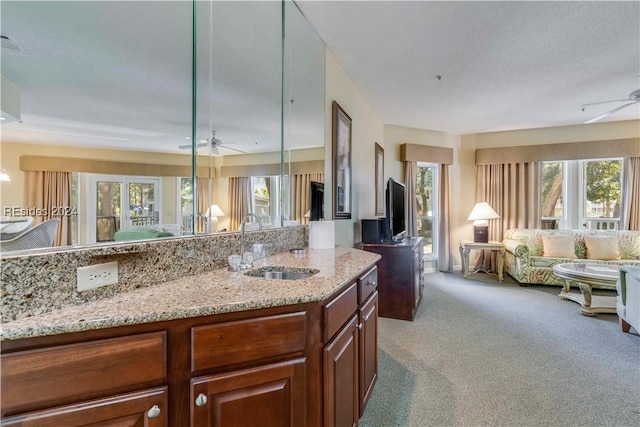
<point>214,143</point>
<point>634,98</point>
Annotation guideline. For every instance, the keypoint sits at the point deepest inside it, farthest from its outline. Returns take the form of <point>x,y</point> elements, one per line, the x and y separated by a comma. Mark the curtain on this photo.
<point>48,190</point>
<point>203,204</point>
<point>513,191</point>
<point>410,172</point>
<point>239,200</point>
<point>630,215</point>
<point>300,190</point>
<point>445,260</point>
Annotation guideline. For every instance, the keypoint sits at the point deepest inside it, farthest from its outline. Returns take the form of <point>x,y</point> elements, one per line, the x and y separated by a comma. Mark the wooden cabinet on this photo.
<point>87,383</point>
<point>272,395</point>
<point>351,354</point>
<point>307,364</point>
<point>145,408</point>
<point>400,277</point>
<point>269,394</point>
<point>368,350</point>
<point>341,377</point>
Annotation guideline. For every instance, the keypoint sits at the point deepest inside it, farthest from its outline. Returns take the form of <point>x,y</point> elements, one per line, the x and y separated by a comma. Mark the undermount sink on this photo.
<point>282,273</point>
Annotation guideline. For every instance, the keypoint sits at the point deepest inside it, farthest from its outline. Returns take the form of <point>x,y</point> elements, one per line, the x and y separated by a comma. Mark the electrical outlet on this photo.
<point>94,276</point>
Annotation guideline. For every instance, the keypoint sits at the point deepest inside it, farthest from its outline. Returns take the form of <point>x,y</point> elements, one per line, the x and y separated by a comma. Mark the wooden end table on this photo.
<point>467,245</point>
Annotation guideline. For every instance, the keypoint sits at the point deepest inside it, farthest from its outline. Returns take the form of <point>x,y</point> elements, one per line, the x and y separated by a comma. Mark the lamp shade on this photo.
<point>482,211</point>
<point>214,211</point>
<point>480,214</point>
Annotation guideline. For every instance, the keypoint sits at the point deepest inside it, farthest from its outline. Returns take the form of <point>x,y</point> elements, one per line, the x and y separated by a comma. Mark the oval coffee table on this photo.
<point>587,275</point>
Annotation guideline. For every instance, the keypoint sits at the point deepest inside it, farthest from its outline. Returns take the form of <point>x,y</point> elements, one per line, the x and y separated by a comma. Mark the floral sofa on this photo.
<point>527,261</point>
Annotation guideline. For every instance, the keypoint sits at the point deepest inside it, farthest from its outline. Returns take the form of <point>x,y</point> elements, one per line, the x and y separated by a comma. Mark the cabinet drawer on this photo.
<point>367,285</point>
<point>242,341</point>
<point>144,408</point>
<point>68,373</point>
<point>339,310</point>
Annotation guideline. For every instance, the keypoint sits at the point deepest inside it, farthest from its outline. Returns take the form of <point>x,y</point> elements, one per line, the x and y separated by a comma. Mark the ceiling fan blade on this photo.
<point>186,146</point>
<point>233,149</point>
<point>605,102</point>
<point>602,116</point>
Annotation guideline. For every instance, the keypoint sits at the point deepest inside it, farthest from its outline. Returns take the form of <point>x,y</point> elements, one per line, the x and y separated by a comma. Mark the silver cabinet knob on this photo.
<point>201,400</point>
<point>154,412</point>
<point>359,326</point>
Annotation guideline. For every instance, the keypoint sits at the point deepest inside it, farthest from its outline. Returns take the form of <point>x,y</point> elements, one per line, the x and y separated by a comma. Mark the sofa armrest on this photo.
<point>517,248</point>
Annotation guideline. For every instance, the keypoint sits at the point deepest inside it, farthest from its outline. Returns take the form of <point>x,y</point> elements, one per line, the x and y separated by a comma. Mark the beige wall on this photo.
<point>367,129</point>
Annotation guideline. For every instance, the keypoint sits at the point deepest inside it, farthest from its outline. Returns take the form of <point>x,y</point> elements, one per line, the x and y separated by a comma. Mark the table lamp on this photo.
<point>212,215</point>
<point>480,215</point>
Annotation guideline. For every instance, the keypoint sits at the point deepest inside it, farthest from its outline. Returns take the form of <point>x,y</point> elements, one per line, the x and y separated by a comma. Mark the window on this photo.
<point>553,188</point>
<point>426,201</point>
<point>185,204</point>
<point>583,193</point>
<point>264,198</point>
<point>601,193</point>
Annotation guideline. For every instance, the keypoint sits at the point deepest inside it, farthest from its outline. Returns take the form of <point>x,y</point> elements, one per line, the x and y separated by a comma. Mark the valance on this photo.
<point>426,153</point>
<point>629,147</point>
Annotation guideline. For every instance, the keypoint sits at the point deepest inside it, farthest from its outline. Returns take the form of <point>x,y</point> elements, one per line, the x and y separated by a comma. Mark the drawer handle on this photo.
<point>201,400</point>
<point>364,319</point>
<point>154,412</point>
<point>371,283</point>
<point>359,326</point>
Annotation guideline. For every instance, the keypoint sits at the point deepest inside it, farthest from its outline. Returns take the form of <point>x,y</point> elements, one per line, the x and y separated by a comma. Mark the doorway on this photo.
<point>117,202</point>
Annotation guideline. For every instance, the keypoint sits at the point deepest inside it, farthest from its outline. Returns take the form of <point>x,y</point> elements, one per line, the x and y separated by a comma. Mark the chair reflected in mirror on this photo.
<point>39,236</point>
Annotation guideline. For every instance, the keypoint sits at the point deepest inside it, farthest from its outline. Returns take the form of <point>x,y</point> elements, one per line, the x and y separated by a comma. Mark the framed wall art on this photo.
<point>341,163</point>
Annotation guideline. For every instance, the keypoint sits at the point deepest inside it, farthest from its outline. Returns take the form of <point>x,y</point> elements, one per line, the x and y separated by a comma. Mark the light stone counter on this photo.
<point>219,291</point>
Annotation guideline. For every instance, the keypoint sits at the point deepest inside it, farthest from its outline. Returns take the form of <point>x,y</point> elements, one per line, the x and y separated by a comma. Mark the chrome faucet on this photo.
<point>244,264</point>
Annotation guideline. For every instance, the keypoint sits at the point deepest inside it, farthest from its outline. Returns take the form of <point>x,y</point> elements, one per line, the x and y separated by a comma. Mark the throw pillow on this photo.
<point>602,247</point>
<point>558,246</point>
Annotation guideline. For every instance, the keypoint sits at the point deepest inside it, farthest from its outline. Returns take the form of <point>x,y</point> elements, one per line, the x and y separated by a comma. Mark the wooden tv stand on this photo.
<point>400,277</point>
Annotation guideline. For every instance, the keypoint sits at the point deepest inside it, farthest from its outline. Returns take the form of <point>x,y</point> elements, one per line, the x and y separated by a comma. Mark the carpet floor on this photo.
<point>485,353</point>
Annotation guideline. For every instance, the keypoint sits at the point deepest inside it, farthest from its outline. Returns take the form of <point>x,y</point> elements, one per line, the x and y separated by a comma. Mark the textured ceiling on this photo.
<point>504,65</point>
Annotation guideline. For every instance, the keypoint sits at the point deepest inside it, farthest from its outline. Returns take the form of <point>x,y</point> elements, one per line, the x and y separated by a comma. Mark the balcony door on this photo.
<point>117,202</point>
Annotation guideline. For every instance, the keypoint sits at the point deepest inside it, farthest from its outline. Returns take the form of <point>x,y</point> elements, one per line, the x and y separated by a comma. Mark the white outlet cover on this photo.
<point>95,276</point>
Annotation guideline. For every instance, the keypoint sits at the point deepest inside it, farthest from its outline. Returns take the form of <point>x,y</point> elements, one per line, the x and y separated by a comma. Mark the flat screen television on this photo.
<point>396,215</point>
<point>316,200</point>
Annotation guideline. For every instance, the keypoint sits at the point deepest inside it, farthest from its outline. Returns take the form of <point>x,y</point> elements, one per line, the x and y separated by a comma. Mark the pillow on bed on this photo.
<point>558,246</point>
<point>602,247</point>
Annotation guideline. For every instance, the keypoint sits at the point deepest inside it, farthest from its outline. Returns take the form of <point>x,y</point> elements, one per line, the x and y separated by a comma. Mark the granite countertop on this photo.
<point>220,291</point>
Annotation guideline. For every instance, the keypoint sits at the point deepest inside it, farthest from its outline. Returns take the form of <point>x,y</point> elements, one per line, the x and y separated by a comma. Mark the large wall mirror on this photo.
<point>99,99</point>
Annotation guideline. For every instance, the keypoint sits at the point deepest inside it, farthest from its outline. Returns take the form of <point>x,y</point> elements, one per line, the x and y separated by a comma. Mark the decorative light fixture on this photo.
<point>4,176</point>
<point>480,215</point>
<point>212,215</point>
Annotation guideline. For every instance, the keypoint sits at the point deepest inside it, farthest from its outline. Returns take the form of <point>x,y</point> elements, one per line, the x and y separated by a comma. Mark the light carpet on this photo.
<point>485,353</point>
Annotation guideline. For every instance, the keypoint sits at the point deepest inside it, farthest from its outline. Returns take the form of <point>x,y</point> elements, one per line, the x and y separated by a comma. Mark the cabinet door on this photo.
<point>341,377</point>
<point>146,408</point>
<point>417,259</point>
<point>368,340</point>
<point>266,396</point>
